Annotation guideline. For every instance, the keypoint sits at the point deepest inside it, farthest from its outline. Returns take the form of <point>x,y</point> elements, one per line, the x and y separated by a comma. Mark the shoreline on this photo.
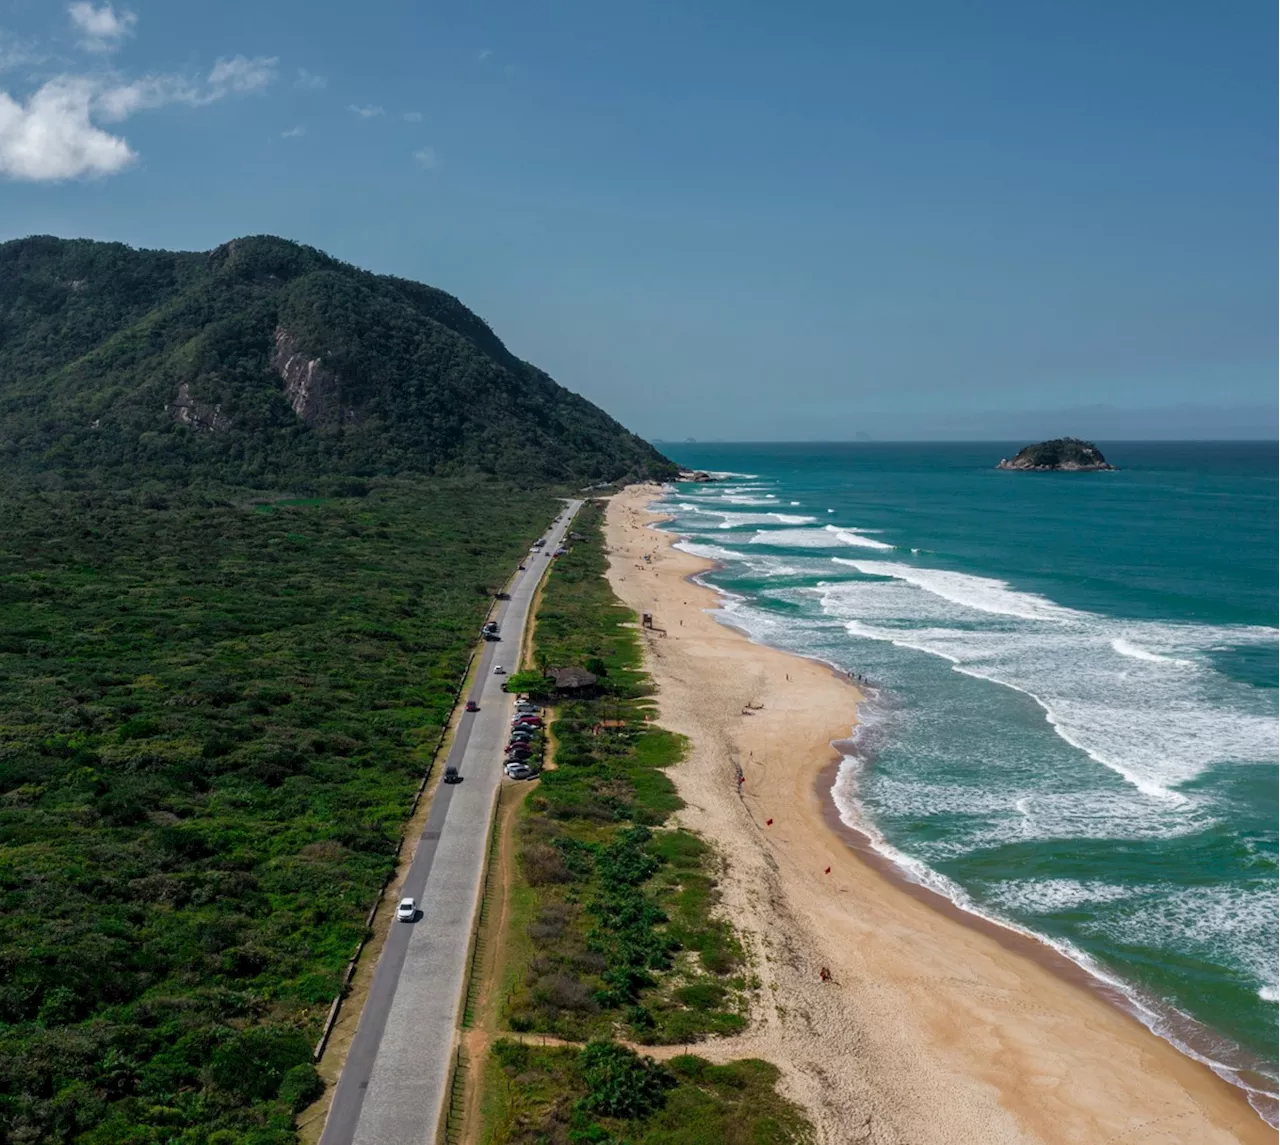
<point>934,1029</point>
<point>1191,1038</point>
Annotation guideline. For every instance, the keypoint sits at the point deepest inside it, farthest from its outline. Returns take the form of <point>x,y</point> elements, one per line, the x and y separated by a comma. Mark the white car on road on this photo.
<point>407,911</point>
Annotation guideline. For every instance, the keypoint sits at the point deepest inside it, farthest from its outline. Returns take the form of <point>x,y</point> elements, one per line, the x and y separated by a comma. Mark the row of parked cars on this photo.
<point>526,728</point>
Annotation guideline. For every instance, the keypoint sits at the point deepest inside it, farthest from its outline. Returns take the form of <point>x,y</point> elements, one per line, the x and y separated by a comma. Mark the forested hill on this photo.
<point>264,362</point>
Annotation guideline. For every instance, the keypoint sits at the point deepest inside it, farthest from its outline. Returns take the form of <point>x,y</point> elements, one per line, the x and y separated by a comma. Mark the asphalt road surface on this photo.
<point>392,1088</point>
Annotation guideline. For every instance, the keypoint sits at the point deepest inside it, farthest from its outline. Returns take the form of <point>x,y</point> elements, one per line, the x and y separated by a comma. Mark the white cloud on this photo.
<point>52,137</point>
<point>53,134</point>
<point>240,74</point>
<point>120,101</point>
<point>427,158</point>
<point>235,76</point>
<point>15,53</point>
<point>368,111</point>
<point>413,117</point>
<point>482,55</point>
<point>309,81</point>
<point>101,29</point>
<point>56,134</point>
<point>294,132</point>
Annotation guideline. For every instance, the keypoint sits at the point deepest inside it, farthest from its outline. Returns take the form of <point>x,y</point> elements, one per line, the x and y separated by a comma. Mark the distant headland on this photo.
<point>1069,454</point>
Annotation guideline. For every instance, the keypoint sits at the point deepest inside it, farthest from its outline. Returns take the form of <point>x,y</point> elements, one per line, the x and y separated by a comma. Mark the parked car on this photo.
<point>407,911</point>
<point>499,670</point>
<point>518,751</point>
<point>451,774</point>
<point>472,706</point>
<point>529,721</point>
<point>519,771</point>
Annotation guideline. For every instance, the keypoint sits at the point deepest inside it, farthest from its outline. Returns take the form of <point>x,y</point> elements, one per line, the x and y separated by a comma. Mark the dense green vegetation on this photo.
<point>622,932</point>
<point>540,1095</point>
<point>266,363</point>
<point>213,714</point>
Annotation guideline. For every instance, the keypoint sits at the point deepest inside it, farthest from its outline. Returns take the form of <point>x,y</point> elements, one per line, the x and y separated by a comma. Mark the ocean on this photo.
<point>1071,715</point>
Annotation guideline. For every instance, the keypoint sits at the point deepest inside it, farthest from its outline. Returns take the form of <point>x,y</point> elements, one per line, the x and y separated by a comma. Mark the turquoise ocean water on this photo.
<point>1071,723</point>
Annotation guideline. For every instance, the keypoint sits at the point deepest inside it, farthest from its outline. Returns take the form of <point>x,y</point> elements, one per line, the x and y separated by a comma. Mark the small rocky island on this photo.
<point>697,475</point>
<point>1068,454</point>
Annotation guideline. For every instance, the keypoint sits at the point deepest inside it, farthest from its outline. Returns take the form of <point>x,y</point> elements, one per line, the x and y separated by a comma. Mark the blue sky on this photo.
<point>908,219</point>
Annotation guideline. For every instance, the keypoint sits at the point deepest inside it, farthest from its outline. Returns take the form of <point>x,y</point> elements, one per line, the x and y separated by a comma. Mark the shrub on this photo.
<point>301,1086</point>
<point>620,1083</point>
<point>543,864</point>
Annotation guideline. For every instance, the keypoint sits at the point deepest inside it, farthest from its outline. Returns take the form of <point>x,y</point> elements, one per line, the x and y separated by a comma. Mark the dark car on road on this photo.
<point>451,775</point>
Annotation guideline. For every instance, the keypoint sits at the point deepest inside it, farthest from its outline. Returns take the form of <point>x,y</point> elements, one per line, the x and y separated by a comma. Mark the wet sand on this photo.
<point>933,1030</point>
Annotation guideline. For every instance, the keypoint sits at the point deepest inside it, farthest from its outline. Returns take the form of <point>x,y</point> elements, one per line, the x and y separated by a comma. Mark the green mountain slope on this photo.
<point>266,361</point>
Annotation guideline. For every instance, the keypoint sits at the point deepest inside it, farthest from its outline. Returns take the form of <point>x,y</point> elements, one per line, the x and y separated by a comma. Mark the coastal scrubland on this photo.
<point>214,709</point>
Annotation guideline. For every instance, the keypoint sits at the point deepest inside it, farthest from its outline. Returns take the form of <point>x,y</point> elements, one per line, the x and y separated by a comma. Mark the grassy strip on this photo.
<point>212,721</point>
<point>623,935</point>
<point>543,1095</point>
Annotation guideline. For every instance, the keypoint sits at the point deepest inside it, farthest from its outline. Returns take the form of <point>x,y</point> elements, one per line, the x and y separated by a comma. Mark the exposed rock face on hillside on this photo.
<point>1068,454</point>
<point>314,393</point>
<point>267,361</point>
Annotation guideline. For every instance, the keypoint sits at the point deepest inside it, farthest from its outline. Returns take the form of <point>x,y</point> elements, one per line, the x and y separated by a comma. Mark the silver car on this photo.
<point>407,911</point>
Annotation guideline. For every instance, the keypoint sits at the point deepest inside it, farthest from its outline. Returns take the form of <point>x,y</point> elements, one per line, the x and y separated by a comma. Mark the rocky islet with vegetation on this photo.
<point>1065,454</point>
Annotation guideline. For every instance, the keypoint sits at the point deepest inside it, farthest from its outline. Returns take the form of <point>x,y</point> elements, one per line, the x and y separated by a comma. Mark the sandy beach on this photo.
<point>932,1030</point>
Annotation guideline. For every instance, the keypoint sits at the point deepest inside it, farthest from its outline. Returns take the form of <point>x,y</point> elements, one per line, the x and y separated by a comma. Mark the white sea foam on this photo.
<point>1269,994</point>
<point>1164,1022</point>
<point>745,500</point>
<point>859,540</point>
<point>1147,718</point>
<point>731,519</point>
<point>978,592</point>
<point>827,537</point>
<point>792,518</point>
<point>794,538</point>
<point>709,552</point>
<point>1233,926</point>
<point>1128,648</point>
<point>1050,896</point>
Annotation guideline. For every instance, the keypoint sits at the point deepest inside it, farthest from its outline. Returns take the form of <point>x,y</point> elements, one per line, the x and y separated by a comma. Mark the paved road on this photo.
<point>392,1088</point>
